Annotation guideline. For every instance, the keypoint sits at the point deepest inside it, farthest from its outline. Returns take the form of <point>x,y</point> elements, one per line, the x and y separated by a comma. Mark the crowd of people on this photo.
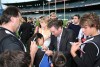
<point>25,44</point>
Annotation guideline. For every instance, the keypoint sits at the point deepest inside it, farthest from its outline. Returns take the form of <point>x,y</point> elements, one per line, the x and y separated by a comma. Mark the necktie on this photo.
<point>58,44</point>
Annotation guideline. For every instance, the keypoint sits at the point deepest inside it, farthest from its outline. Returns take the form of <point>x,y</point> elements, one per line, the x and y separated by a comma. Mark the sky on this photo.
<point>15,1</point>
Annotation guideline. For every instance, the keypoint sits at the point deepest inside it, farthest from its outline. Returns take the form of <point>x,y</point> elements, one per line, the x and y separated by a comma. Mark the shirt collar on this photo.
<point>59,37</point>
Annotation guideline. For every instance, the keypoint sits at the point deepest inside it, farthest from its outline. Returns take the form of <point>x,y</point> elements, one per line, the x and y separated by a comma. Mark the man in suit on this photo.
<point>60,40</point>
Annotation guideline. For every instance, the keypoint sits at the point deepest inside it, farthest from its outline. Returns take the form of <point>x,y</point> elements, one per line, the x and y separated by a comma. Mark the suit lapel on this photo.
<point>56,43</point>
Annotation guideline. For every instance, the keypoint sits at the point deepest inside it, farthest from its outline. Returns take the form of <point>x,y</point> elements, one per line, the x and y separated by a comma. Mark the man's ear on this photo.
<point>60,28</point>
<point>12,19</point>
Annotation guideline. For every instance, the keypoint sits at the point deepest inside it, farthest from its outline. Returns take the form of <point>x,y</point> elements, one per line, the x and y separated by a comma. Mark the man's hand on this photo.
<point>74,48</point>
<point>49,52</point>
<point>44,48</point>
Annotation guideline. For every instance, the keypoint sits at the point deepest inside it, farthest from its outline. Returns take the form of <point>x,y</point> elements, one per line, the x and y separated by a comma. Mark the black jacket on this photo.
<point>9,41</point>
<point>91,55</point>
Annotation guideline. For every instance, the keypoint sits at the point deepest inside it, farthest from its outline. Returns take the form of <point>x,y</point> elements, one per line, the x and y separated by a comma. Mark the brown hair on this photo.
<point>14,59</point>
<point>9,12</point>
<point>42,17</point>
<point>52,13</point>
<point>56,23</point>
<point>90,19</point>
<point>59,60</point>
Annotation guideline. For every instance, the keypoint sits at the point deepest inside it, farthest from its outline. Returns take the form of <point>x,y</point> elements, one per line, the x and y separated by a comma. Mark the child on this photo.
<point>39,39</point>
<point>58,59</point>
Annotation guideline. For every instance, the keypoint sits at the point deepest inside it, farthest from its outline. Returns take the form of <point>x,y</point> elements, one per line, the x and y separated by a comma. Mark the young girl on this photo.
<point>39,39</point>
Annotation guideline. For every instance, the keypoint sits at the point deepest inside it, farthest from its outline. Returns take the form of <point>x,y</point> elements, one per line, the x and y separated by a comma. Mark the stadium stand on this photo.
<point>36,8</point>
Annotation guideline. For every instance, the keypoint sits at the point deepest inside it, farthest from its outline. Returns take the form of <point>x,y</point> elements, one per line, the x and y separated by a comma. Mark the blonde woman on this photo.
<point>43,29</point>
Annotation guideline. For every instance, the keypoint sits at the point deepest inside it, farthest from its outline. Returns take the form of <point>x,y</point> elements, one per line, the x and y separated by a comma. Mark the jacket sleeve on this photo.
<point>71,38</point>
<point>88,58</point>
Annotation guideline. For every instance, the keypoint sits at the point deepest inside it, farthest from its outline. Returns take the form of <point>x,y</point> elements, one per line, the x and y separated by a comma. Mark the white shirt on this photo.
<point>58,40</point>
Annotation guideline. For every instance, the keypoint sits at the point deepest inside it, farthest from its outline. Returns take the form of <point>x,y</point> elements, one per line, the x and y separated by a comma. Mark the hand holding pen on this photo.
<point>75,46</point>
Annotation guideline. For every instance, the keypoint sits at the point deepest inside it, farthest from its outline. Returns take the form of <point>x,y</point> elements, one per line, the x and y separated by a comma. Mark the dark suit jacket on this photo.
<point>67,36</point>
